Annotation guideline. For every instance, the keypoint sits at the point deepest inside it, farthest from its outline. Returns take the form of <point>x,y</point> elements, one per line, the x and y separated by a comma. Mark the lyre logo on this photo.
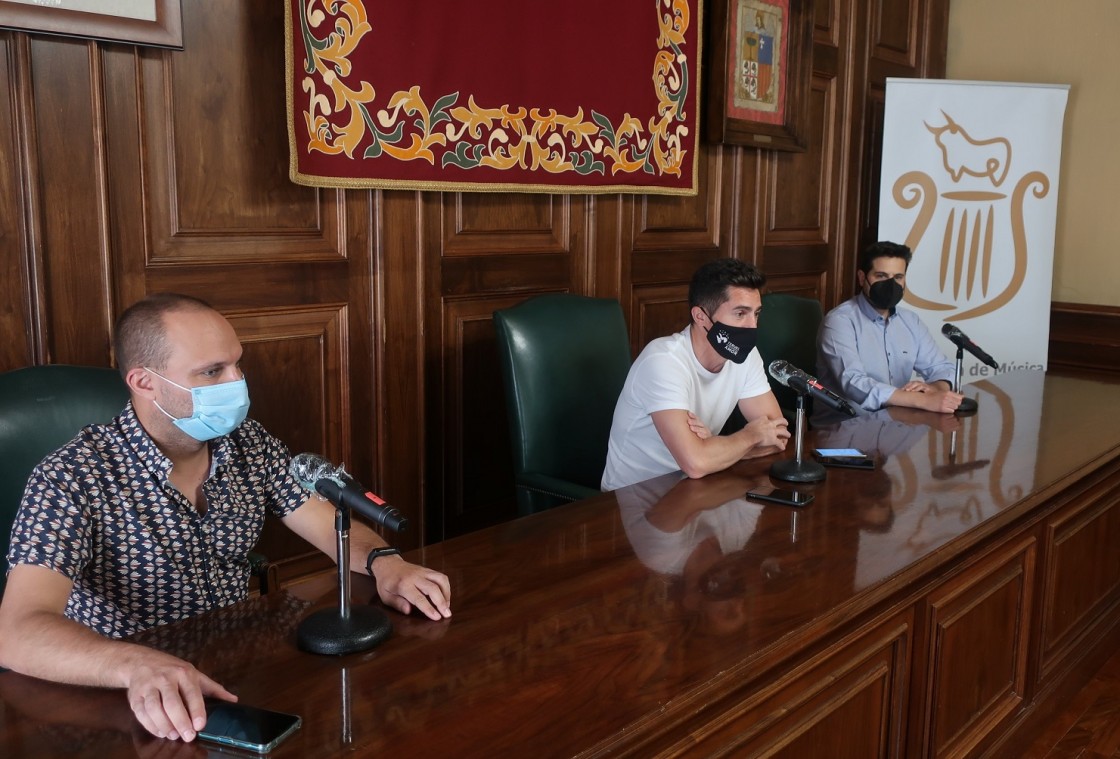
<point>975,222</point>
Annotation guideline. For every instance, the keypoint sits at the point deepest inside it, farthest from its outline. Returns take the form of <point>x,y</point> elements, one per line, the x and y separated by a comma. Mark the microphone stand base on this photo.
<point>792,470</point>
<point>327,632</point>
<point>968,406</point>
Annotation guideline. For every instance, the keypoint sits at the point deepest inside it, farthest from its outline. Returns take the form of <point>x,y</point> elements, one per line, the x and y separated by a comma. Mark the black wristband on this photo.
<point>383,551</point>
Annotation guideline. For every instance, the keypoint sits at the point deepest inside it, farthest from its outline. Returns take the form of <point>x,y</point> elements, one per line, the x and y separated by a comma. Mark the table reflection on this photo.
<point>940,473</point>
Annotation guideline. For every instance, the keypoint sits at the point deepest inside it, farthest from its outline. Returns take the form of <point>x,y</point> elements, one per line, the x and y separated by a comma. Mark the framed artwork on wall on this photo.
<point>141,22</point>
<point>759,73</point>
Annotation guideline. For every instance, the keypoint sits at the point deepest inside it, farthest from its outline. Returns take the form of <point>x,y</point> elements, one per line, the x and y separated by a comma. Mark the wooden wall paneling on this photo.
<point>391,392</point>
<point>213,200</point>
<point>977,645</point>
<point>295,361</point>
<point>606,266</point>
<point>858,690</point>
<point>798,186</point>
<point>799,195</point>
<point>838,58</point>
<point>666,238</point>
<point>807,285</point>
<point>1080,577</point>
<point>127,189</point>
<point>18,289</point>
<point>1084,337</point>
<point>827,30</point>
<point>903,39</point>
<point>656,311</point>
<point>70,198</point>
<point>871,172</point>
<point>894,31</point>
<point>478,467</point>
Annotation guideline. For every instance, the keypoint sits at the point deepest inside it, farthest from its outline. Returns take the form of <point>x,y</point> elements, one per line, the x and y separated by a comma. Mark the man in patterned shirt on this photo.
<point>148,520</point>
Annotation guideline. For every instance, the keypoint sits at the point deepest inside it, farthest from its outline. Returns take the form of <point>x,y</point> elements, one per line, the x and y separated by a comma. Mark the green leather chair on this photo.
<point>564,359</point>
<point>41,409</point>
<point>787,330</point>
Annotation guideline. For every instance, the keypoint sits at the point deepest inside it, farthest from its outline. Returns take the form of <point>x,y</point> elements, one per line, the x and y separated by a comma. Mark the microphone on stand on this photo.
<point>346,629</point>
<point>333,483</point>
<point>798,470</point>
<point>961,340</point>
<point>802,383</point>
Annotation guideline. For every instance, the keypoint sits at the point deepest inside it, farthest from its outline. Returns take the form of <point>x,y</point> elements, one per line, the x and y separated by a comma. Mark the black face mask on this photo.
<point>732,343</point>
<point>885,295</point>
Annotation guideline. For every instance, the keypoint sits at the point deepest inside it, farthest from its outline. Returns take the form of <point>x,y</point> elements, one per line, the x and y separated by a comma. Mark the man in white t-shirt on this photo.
<point>684,385</point>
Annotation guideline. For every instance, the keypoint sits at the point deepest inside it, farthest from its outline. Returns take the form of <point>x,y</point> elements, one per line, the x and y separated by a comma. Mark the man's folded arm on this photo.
<point>699,457</point>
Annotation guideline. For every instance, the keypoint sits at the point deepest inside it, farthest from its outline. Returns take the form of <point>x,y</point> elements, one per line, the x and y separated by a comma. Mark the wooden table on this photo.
<point>931,607</point>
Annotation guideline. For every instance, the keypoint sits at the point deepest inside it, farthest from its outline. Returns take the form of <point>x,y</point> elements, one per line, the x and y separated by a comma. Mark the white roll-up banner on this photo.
<point>970,184</point>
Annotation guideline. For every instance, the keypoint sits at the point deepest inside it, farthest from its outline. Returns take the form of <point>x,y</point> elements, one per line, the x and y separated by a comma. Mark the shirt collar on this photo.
<point>149,454</point>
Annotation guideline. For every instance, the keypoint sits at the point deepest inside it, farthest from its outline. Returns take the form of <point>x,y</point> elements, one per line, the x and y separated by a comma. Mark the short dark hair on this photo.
<point>883,249</point>
<point>139,338</point>
<point>709,285</point>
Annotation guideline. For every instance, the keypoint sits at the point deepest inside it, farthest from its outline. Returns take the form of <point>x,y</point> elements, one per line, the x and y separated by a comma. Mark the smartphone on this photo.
<point>780,495</point>
<point>851,458</point>
<point>838,452</point>
<point>246,727</point>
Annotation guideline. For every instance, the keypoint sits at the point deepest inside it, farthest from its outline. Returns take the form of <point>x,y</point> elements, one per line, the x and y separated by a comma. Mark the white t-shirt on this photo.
<point>667,375</point>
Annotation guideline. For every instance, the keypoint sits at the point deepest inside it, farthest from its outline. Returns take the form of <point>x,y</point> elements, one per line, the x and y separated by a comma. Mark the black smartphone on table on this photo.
<point>783,496</point>
<point>850,458</point>
<point>246,727</point>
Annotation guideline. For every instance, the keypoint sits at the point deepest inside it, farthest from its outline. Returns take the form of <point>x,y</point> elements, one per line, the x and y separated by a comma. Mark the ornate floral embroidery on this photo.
<point>410,126</point>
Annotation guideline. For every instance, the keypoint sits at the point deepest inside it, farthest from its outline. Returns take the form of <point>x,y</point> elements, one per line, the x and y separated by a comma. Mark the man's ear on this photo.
<point>698,315</point>
<point>140,382</point>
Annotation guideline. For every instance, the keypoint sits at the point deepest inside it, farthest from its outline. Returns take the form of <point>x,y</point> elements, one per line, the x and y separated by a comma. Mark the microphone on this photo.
<point>317,474</point>
<point>961,340</point>
<point>792,377</point>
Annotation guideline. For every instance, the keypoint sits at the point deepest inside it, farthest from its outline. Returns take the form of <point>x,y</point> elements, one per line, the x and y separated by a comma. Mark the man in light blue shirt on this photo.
<point>869,350</point>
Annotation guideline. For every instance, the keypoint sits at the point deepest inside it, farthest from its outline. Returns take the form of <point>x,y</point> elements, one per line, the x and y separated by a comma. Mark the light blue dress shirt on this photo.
<point>866,357</point>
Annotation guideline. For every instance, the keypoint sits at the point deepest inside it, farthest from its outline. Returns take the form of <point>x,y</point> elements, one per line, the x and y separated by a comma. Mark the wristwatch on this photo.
<point>376,552</point>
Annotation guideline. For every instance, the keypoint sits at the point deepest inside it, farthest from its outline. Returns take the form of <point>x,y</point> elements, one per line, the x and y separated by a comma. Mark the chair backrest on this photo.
<point>787,330</point>
<point>564,360</point>
<point>42,408</point>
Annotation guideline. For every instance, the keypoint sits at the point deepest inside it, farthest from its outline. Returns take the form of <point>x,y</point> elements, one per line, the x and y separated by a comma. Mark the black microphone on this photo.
<point>333,483</point>
<point>961,340</point>
<point>792,377</point>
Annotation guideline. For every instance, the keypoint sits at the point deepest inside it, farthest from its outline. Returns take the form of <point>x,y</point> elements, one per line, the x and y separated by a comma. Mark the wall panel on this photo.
<point>18,288</point>
<point>69,198</point>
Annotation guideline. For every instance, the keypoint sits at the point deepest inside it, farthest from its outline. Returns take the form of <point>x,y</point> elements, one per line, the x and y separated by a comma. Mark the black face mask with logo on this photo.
<point>732,343</point>
<point>885,295</point>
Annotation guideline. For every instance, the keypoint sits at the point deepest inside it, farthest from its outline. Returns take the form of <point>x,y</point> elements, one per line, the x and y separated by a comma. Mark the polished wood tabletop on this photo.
<point>578,628</point>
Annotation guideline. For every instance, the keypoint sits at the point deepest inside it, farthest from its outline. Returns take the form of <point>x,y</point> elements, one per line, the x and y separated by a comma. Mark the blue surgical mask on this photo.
<point>218,409</point>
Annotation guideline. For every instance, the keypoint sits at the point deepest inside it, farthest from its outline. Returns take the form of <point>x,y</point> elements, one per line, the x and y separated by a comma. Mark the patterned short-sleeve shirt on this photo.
<point>102,511</point>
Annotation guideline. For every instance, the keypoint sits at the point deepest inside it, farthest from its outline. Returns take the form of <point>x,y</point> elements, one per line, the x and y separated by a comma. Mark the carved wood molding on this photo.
<point>1084,337</point>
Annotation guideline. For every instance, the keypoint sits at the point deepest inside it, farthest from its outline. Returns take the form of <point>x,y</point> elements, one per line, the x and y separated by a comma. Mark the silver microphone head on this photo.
<point>780,370</point>
<point>309,468</point>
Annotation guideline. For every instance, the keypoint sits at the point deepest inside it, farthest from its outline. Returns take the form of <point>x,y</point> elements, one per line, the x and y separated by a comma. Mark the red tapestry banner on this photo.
<point>495,95</point>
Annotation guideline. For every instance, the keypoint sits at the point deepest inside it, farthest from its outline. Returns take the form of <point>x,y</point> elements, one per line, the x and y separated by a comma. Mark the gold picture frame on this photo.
<point>146,22</point>
<point>759,73</point>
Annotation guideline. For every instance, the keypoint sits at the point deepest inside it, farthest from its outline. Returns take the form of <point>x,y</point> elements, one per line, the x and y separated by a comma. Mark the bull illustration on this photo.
<point>963,155</point>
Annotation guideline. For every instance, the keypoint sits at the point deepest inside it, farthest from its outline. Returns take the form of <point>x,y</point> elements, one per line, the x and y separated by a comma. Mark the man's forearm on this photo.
<point>52,647</point>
